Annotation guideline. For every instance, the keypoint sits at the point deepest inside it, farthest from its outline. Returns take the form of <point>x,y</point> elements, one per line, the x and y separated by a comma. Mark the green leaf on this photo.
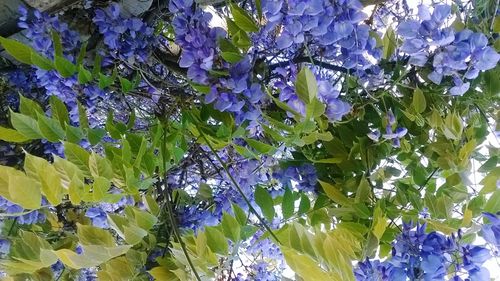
<point>204,192</point>
<point>64,67</point>
<point>261,147</point>
<point>389,43</point>
<point>25,125</point>
<point>258,5</point>
<point>231,57</point>
<point>151,204</point>
<point>133,234</point>
<point>40,61</point>
<point>227,46</point>
<point>29,107</point>
<point>92,256</point>
<point>100,166</point>
<point>493,204</point>
<point>106,81</point>
<point>25,192</point>
<point>76,191</point>
<point>100,188</point>
<point>82,53</point>
<point>306,86</point>
<point>216,240</point>
<point>50,129</point>
<point>42,171</point>
<point>67,171</point>
<point>200,88</point>
<point>333,193</point>
<point>18,50</point>
<point>126,84</point>
<point>140,154</point>
<point>84,76</point>
<point>241,40</point>
<point>59,111</point>
<point>242,19</point>
<point>111,128</point>
<point>287,206</point>
<point>20,189</point>
<point>91,235</point>
<point>78,156</point>
<point>162,273</point>
<point>303,265</point>
<point>315,109</point>
<point>379,223</point>
<point>10,135</point>
<point>231,227</point>
<point>418,102</point>
<point>364,190</point>
<point>453,126</point>
<point>419,175</point>
<point>491,81</point>
<point>489,182</point>
<point>95,135</point>
<point>96,70</point>
<point>361,210</point>
<point>239,214</point>
<point>487,166</point>
<point>58,48</point>
<point>144,219</point>
<point>82,116</point>
<point>305,204</point>
<point>439,226</point>
<point>329,160</point>
<point>265,202</point>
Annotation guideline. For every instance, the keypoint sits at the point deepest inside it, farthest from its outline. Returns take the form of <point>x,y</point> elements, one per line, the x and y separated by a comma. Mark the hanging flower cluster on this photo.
<point>417,255</point>
<point>460,55</point>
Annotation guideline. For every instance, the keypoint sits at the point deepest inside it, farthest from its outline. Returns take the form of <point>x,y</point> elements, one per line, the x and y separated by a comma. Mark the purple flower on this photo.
<point>336,109</point>
<point>491,231</point>
<point>296,104</point>
<point>98,217</point>
<point>460,87</point>
<point>409,29</point>
<point>440,13</point>
<point>4,246</point>
<point>374,135</point>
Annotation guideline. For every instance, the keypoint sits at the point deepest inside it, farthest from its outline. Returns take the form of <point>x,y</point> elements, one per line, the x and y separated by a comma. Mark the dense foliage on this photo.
<point>252,140</point>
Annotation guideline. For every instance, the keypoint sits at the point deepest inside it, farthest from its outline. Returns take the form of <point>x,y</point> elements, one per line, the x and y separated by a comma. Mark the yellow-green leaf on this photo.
<point>418,102</point>
<point>333,193</point>
<point>24,191</point>
<point>306,85</point>
<point>25,125</point>
<point>10,135</point>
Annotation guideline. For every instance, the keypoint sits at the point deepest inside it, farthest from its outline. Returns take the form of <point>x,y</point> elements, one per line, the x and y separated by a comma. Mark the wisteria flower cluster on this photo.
<point>460,55</point>
<point>334,29</point>
<point>128,39</point>
<point>417,255</point>
<point>254,140</point>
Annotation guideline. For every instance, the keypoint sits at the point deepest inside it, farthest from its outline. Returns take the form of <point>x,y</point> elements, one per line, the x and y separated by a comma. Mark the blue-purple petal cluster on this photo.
<point>417,255</point>
<point>303,177</point>
<point>491,230</point>
<point>333,29</point>
<point>128,39</point>
<point>459,55</point>
<point>24,216</point>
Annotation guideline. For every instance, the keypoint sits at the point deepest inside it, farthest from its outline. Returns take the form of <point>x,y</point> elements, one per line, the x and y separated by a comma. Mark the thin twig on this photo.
<point>235,183</point>
<point>170,211</point>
